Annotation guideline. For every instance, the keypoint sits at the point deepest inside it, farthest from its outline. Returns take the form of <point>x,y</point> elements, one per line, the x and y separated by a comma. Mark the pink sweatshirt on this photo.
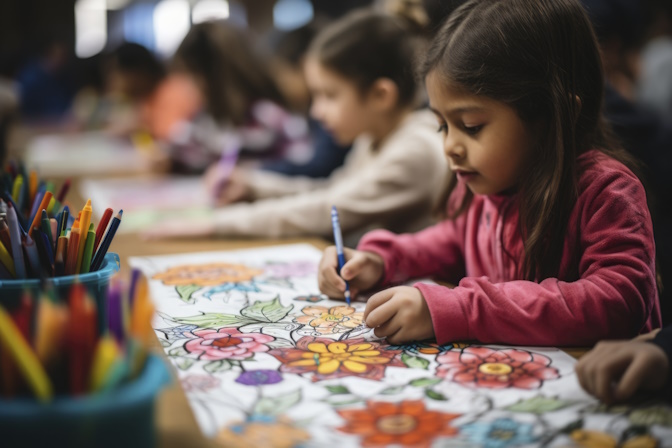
<point>613,294</point>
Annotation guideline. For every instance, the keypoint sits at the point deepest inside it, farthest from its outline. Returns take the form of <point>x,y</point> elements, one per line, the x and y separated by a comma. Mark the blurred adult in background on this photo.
<point>621,27</point>
<point>655,81</point>
<point>288,55</point>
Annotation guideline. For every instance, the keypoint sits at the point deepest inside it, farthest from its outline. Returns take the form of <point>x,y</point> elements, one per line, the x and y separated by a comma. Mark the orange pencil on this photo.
<point>102,225</point>
<point>32,185</point>
<point>84,222</point>
<point>38,216</point>
<point>73,248</point>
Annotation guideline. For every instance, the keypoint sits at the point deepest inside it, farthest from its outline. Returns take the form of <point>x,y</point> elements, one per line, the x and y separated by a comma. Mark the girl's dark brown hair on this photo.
<point>538,57</point>
<point>365,46</point>
<point>229,68</point>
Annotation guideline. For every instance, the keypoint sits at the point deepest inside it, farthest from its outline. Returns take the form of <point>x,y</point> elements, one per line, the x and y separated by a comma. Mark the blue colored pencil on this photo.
<point>338,239</point>
<point>15,237</point>
<point>105,244</point>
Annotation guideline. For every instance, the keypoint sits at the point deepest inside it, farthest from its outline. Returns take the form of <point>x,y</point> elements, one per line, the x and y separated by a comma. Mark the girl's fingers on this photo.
<point>381,315</point>
<point>354,266</point>
<point>386,330</point>
<point>377,300</point>
<point>632,379</point>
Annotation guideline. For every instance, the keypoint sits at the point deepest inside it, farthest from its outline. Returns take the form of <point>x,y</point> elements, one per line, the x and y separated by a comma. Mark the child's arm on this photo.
<point>613,297</point>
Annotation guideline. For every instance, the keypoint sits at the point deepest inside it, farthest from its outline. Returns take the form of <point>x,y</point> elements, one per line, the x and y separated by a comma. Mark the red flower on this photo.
<point>330,359</point>
<point>496,369</point>
<point>407,423</point>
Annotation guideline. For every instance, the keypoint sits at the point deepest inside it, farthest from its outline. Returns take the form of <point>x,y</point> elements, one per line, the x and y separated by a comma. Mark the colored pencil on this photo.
<point>84,222</point>
<point>107,240</point>
<point>88,251</point>
<point>102,226</point>
<point>17,250</point>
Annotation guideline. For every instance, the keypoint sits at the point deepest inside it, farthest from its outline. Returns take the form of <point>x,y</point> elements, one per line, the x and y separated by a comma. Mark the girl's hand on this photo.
<point>614,370</point>
<point>399,314</point>
<point>362,270</point>
<point>226,190</point>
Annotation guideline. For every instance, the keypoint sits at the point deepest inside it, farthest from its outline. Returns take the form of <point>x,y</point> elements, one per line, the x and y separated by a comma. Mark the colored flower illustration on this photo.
<point>259,377</point>
<point>496,369</point>
<point>407,423</point>
<point>499,433</point>
<point>199,383</point>
<point>310,298</point>
<point>207,274</point>
<point>329,359</point>
<point>337,319</point>
<point>293,270</point>
<point>425,348</point>
<point>262,431</point>
<point>179,332</point>
<point>596,439</point>
<point>227,343</point>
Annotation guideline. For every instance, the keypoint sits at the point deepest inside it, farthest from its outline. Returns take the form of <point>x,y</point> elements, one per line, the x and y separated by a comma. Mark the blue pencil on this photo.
<point>15,237</point>
<point>338,239</point>
<point>105,244</point>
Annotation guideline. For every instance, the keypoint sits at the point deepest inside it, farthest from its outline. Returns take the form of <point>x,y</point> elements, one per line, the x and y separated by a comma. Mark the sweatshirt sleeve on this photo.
<point>267,184</point>
<point>388,188</point>
<point>613,296</point>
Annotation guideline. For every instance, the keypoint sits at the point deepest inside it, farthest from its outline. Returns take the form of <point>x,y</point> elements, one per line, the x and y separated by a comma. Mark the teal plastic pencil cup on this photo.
<point>96,282</point>
<point>122,418</point>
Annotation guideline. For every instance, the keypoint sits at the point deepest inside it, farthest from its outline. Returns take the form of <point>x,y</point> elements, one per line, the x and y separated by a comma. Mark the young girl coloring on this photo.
<point>548,235</point>
<point>363,93</point>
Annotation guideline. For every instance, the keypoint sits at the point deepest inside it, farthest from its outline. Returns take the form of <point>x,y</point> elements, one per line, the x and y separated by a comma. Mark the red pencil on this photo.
<point>102,225</point>
<point>73,247</point>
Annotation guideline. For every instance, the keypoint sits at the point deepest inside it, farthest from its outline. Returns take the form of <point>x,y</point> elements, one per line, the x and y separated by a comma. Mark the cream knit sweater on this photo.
<point>393,186</point>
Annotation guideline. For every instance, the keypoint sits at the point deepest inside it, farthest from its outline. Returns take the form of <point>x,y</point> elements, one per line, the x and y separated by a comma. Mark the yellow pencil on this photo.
<point>18,183</point>
<point>7,260</point>
<point>12,340</point>
<point>105,356</point>
<point>84,222</point>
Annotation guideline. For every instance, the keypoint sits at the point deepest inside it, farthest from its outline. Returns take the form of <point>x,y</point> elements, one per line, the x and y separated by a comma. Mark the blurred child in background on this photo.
<point>364,92</point>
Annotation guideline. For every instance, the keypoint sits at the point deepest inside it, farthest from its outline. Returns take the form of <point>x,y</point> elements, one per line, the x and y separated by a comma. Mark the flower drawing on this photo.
<point>496,369</point>
<point>329,359</point>
<point>263,431</point>
<point>199,383</point>
<point>337,319</point>
<point>424,348</point>
<point>597,439</point>
<point>207,274</point>
<point>407,423</point>
<point>259,377</point>
<point>499,433</point>
<point>227,343</point>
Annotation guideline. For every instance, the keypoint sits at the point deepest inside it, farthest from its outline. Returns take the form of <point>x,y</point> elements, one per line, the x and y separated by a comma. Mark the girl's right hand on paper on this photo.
<point>226,191</point>
<point>361,269</point>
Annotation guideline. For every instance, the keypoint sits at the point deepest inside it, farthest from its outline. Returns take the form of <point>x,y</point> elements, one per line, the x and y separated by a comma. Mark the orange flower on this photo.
<point>407,423</point>
<point>337,319</point>
<point>207,274</point>
<point>262,431</point>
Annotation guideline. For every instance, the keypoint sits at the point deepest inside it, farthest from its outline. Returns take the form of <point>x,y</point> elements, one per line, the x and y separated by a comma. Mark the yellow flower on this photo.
<point>596,439</point>
<point>207,274</point>
<point>329,358</point>
<point>337,319</point>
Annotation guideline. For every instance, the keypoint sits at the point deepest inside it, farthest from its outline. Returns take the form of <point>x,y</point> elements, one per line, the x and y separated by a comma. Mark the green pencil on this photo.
<point>46,227</point>
<point>88,250</point>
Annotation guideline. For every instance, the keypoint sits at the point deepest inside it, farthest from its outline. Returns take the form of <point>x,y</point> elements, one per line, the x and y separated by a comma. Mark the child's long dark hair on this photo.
<point>365,46</point>
<point>229,68</point>
<point>538,57</point>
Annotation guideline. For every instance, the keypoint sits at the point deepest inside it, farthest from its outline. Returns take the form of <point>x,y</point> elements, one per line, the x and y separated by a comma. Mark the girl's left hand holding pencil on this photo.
<point>226,187</point>
<point>399,314</point>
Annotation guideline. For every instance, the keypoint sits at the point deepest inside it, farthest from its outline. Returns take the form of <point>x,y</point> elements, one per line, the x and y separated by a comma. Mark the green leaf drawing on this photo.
<point>212,320</point>
<point>338,389</point>
<point>539,405</point>
<point>184,363</point>
<point>655,415</point>
<point>280,343</point>
<point>277,405</point>
<point>392,390</point>
<point>177,351</point>
<point>434,395</point>
<point>425,382</point>
<point>185,292</point>
<point>271,311</point>
<point>414,362</point>
<point>164,343</point>
<point>217,366</point>
<point>343,400</point>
